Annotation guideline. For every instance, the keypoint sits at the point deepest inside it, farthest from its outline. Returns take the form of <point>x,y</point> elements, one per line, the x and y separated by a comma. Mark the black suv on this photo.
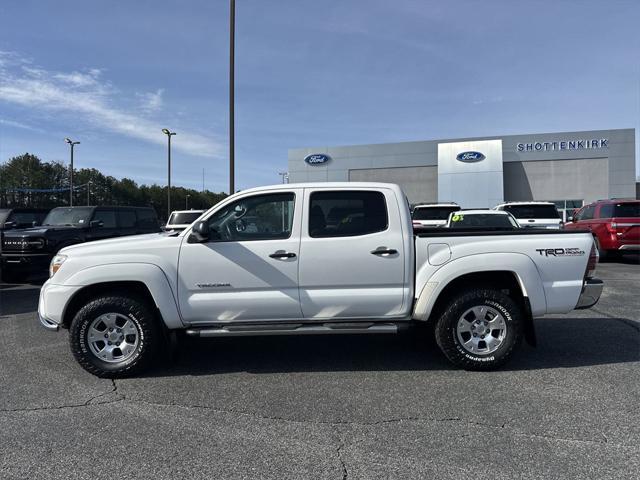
<point>21,217</point>
<point>30,250</point>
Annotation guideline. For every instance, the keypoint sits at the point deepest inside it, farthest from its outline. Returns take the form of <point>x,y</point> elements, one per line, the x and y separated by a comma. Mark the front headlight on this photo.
<point>56,263</point>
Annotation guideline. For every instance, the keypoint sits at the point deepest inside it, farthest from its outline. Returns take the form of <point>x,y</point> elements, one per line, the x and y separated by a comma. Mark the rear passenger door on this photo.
<point>127,221</point>
<point>352,258</point>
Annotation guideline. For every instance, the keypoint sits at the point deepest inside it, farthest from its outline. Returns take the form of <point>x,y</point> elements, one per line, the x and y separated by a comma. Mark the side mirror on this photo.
<point>569,219</point>
<point>96,224</point>
<point>9,225</point>
<point>201,233</point>
<point>34,223</point>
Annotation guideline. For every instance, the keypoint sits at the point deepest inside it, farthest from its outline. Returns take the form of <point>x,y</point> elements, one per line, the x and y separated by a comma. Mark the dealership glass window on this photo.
<point>260,217</point>
<point>347,213</point>
<point>567,207</point>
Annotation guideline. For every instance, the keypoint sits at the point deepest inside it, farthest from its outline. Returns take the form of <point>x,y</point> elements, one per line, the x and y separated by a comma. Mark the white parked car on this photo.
<point>267,261</point>
<point>533,214</point>
<point>432,215</point>
<point>482,219</point>
<point>181,219</point>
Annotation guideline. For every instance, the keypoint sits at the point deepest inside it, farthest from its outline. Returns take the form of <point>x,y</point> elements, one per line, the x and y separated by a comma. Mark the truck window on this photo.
<point>127,218</point>
<point>433,213</point>
<point>261,217</point>
<point>347,213</point>
<point>532,211</point>
<point>108,218</point>
<point>147,218</point>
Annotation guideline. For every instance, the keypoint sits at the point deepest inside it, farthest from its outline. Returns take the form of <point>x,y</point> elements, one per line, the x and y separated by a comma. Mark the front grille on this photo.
<point>22,244</point>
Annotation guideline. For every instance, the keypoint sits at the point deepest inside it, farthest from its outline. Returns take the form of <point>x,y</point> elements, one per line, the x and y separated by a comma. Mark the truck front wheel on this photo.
<point>114,336</point>
<point>480,329</point>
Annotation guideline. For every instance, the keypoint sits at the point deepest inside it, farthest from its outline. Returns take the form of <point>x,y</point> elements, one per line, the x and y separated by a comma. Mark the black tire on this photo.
<point>448,341</point>
<point>149,333</point>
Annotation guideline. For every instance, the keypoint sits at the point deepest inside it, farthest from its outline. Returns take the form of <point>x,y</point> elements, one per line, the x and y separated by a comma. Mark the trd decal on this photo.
<point>560,252</point>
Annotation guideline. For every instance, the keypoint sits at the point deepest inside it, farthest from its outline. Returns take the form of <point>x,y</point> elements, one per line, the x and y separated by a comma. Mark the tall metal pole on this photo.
<point>71,144</point>
<point>168,177</point>
<point>232,35</point>
<point>169,134</point>
<point>88,192</point>
<point>71,179</point>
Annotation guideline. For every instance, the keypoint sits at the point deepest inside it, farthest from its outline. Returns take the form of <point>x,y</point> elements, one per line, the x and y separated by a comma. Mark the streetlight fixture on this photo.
<point>186,202</point>
<point>169,134</point>
<point>71,144</point>
<point>88,191</point>
<point>285,176</point>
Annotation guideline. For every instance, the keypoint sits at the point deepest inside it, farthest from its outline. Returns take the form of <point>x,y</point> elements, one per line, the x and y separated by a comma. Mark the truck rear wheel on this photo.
<point>114,336</point>
<point>480,329</point>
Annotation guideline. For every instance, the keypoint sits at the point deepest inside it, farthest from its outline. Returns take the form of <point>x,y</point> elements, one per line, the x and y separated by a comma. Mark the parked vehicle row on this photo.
<point>30,250</point>
<point>21,217</point>
<point>327,258</point>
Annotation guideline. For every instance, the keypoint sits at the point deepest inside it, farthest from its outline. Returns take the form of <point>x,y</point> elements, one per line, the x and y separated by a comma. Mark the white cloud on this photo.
<point>151,101</point>
<point>86,96</point>
<point>14,124</point>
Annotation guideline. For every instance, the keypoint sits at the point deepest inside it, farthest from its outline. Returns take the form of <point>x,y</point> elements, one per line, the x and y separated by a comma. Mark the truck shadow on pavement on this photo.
<point>562,343</point>
<point>16,299</point>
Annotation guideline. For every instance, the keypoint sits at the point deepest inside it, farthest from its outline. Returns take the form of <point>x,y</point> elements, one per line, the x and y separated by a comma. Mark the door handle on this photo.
<point>282,254</point>
<point>384,251</point>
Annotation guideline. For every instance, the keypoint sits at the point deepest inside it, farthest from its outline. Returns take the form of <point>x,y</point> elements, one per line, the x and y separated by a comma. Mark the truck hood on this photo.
<point>120,245</point>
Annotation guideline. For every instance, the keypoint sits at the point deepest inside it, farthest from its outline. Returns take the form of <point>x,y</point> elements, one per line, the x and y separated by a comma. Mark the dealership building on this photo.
<point>568,168</point>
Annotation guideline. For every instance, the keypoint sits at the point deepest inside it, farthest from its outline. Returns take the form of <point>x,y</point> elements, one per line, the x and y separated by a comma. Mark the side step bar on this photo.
<point>292,329</point>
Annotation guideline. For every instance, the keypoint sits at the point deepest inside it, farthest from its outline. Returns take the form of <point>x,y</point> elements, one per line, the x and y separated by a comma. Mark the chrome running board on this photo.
<point>292,329</point>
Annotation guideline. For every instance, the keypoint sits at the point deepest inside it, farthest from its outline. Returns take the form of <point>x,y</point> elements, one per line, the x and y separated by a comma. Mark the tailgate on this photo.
<point>627,229</point>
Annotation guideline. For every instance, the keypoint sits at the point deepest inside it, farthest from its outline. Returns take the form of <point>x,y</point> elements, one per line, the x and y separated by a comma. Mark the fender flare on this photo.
<point>151,275</point>
<point>521,265</point>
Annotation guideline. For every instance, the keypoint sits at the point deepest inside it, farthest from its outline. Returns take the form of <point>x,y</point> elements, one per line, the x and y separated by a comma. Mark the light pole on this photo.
<point>71,144</point>
<point>186,202</point>
<point>169,135</point>
<point>285,176</point>
<point>88,192</point>
<point>232,41</point>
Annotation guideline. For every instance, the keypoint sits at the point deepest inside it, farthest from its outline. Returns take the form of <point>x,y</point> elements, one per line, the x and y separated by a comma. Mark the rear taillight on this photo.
<point>593,262</point>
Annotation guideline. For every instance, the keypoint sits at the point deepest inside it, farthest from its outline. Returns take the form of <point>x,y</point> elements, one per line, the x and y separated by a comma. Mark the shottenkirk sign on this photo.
<point>563,145</point>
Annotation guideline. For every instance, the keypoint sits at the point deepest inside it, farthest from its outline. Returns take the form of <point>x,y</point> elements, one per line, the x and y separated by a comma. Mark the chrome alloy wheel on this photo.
<point>113,337</point>
<point>481,330</point>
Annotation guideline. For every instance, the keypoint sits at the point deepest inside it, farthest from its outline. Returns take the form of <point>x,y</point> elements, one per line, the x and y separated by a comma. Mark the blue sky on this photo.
<point>309,72</point>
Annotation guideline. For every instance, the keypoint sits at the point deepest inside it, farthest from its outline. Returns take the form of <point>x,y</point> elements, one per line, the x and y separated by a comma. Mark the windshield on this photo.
<point>69,216</point>
<point>183,218</point>
<point>627,209</point>
<point>491,220</point>
<point>433,213</point>
<point>532,211</point>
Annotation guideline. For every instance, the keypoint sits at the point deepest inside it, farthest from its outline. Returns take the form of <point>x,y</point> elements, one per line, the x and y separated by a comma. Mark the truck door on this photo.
<point>352,258</point>
<point>248,270</point>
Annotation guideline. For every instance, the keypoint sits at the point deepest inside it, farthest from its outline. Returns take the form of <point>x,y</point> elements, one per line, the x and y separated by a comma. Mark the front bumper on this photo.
<point>591,291</point>
<point>52,304</point>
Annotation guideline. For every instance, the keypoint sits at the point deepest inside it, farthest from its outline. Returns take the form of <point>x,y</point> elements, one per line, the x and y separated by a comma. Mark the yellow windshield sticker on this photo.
<point>457,218</point>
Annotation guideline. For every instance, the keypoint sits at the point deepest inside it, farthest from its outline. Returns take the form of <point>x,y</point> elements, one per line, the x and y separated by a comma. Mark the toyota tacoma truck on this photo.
<point>267,261</point>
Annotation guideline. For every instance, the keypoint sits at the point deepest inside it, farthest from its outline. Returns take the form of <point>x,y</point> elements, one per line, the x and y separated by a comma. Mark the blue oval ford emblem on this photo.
<point>317,159</point>
<point>470,157</point>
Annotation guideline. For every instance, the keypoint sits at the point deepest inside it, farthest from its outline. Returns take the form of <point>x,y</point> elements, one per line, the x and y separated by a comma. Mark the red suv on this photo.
<point>615,225</point>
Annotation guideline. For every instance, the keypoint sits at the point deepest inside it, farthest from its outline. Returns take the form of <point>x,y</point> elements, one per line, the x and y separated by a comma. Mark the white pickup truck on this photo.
<point>326,258</point>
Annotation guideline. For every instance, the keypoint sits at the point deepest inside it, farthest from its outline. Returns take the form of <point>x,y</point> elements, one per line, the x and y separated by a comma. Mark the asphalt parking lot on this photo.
<point>357,407</point>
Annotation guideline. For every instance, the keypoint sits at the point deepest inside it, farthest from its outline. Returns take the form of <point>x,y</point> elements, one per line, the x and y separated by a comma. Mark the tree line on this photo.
<point>20,175</point>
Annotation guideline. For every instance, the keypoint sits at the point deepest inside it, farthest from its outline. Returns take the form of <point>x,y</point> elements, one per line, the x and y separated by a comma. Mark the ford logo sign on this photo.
<point>470,157</point>
<point>317,159</point>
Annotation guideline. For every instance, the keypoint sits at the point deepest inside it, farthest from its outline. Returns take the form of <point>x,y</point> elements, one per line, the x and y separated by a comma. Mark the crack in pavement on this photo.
<point>339,447</point>
<point>88,403</point>
<point>121,398</point>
